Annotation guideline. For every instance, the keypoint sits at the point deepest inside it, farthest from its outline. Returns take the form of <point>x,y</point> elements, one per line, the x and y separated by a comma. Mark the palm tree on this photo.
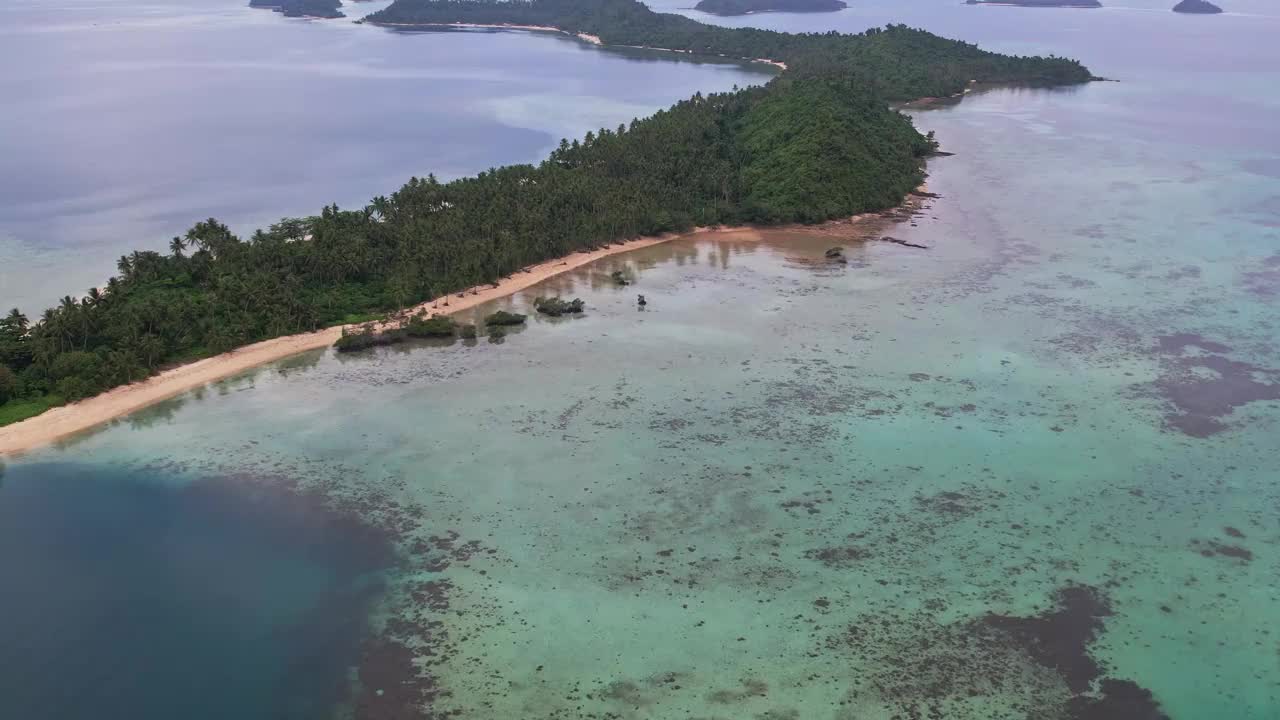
<point>176,245</point>
<point>16,323</point>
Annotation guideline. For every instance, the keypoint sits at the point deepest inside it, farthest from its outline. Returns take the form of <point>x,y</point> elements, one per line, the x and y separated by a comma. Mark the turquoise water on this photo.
<point>974,481</point>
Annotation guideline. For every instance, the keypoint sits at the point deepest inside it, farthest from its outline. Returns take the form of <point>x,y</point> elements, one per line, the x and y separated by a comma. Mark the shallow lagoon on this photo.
<point>793,490</point>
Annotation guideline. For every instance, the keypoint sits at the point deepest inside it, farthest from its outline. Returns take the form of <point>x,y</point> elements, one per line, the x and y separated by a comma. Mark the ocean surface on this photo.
<point>125,122</point>
<point>1027,472</point>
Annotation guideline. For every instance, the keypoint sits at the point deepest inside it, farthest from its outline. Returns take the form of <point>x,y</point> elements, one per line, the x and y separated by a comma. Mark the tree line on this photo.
<point>898,62</point>
<point>808,147</point>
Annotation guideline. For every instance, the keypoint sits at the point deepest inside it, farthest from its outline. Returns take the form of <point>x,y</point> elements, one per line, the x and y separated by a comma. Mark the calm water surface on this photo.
<point>981,480</point>
<point>124,123</point>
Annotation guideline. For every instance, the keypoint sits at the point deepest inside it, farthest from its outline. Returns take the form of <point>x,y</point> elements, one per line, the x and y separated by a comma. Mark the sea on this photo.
<point>1027,469</point>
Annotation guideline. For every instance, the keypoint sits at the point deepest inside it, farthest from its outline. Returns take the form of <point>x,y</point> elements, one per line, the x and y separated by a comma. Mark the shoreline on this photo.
<point>585,37</point>
<point>64,421</point>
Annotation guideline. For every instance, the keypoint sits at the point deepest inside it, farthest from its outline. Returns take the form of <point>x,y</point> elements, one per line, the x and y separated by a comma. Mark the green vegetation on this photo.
<point>467,331</point>
<point>743,7</point>
<point>555,307</point>
<point>8,384</point>
<point>328,9</point>
<point>502,317</point>
<point>619,279</point>
<point>816,143</point>
<point>440,326</point>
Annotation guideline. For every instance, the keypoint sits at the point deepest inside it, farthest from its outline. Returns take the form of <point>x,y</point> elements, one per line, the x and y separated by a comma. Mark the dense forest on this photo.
<point>328,9</point>
<point>743,7</point>
<point>817,142</point>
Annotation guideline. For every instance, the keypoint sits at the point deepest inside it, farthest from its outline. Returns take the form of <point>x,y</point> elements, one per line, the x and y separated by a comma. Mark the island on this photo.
<point>1039,3</point>
<point>747,7</point>
<point>324,9</point>
<point>1197,7</point>
<point>818,142</point>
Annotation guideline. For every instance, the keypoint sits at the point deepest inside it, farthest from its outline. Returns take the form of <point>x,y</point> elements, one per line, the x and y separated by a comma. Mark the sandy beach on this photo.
<point>67,420</point>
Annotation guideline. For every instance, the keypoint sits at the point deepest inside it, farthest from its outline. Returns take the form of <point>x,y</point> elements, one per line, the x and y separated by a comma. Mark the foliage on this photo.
<point>467,331</point>
<point>619,279</point>
<point>20,409</point>
<point>8,384</point>
<point>555,307</point>
<point>437,327</point>
<point>502,317</point>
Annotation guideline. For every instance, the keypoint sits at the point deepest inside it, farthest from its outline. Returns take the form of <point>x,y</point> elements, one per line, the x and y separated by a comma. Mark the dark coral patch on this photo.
<point>1204,387</point>
<point>1060,639</point>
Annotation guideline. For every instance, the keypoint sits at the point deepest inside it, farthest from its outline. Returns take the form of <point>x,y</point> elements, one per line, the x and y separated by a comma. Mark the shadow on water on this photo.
<point>136,596</point>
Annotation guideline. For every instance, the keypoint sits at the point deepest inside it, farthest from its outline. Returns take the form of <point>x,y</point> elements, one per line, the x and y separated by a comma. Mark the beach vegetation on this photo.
<point>502,317</point>
<point>555,307</point>
<point>440,326</point>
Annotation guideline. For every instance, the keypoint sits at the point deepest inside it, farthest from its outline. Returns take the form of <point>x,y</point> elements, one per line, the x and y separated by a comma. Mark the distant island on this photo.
<point>1040,3</point>
<point>818,142</point>
<point>746,7</point>
<point>1197,7</point>
<point>326,9</point>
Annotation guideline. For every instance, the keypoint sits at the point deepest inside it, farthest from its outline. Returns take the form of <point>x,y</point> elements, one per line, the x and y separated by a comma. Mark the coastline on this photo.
<point>585,37</point>
<point>65,421</point>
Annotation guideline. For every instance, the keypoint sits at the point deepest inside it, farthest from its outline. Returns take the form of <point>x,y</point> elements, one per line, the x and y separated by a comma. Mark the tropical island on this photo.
<point>1039,3</point>
<point>325,9</point>
<point>1197,7</point>
<point>816,143</point>
<point>747,7</point>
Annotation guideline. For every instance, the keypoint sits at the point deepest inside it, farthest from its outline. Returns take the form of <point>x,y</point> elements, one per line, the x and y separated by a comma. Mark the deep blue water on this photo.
<point>131,595</point>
